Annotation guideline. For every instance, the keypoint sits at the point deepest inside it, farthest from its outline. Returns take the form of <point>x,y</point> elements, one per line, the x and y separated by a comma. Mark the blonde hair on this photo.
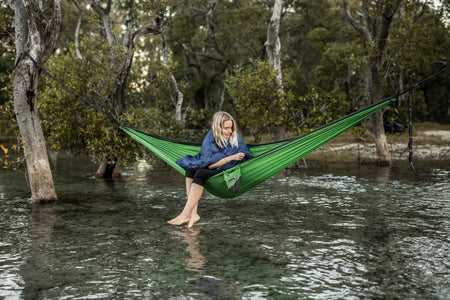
<point>218,119</point>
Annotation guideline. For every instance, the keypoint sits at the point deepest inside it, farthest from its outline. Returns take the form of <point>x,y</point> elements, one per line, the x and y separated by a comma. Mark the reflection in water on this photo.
<point>36,270</point>
<point>196,262</point>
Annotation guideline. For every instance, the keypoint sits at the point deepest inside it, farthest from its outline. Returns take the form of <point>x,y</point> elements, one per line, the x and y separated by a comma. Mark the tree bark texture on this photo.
<point>104,15</point>
<point>36,35</point>
<point>273,50</point>
<point>375,31</point>
<point>77,30</point>
<point>273,45</point>
<point>180,97</point>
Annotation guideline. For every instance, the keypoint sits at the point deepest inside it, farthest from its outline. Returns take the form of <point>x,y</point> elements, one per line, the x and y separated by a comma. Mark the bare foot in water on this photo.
<point>193,220</point>
<point>181,219</point>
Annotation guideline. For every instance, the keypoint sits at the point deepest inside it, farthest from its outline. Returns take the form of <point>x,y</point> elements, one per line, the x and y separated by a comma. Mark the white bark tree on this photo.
<point>77,30</point>
<point>273,50</point>
<point>36,35</point>
<point>273,44</point>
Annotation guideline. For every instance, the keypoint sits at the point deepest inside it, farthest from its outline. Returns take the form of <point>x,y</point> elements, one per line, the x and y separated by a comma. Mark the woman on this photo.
<point>222,148</point>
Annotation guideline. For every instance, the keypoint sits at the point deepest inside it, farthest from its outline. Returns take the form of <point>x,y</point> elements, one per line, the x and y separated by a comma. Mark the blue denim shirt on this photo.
<point>210,153</point>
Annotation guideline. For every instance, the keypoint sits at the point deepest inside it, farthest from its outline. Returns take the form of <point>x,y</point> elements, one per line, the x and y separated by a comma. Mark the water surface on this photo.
<point>326,232</point>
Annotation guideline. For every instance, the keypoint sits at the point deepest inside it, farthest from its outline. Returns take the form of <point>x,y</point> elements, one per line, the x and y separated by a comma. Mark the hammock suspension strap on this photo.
<point>410,143</point>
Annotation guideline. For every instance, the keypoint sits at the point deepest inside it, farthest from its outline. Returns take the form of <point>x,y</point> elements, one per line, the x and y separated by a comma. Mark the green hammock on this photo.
<point>268,160</point>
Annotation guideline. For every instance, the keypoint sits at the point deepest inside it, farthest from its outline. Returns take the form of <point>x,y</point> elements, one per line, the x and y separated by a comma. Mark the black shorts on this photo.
<point>200,175</point>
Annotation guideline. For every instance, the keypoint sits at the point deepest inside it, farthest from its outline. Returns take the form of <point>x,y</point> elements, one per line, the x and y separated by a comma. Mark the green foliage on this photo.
<point>6,68</point>
<point>8,125</point>
<point>11,154</point>
<point>69,123</point>
<point>418,47</point>
<point>72,125</point>
<point>262,105</point>
<point>316,110</point>
<point>6,53</point>
<point>258,99</point>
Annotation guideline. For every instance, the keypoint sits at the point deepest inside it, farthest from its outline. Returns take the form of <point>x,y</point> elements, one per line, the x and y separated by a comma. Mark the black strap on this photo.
<point>411,132</point>
<point>410,96</point>
<point>98,109</point>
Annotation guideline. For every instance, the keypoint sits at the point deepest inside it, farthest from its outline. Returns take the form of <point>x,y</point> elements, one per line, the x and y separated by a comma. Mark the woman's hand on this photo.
<point>238,156</point>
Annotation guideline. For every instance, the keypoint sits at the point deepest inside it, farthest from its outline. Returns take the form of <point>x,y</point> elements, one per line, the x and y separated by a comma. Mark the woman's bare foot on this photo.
<point>181,219</point>
<point>193,220</point>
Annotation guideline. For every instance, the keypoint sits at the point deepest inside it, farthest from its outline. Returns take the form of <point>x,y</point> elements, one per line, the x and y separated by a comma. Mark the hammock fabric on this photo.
<point>268,160</point>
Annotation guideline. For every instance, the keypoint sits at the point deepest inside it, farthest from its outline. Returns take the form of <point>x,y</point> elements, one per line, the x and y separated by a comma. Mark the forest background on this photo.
<point>166,66</point>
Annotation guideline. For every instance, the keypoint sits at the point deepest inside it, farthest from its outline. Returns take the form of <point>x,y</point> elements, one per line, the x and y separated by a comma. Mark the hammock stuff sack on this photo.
<point>268,160</point>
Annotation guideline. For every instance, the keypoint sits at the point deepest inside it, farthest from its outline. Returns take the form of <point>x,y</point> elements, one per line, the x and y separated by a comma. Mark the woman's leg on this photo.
<point>194,214</point>
<point>195,181</point>
<point>189,214</point>
<point>188,185</point>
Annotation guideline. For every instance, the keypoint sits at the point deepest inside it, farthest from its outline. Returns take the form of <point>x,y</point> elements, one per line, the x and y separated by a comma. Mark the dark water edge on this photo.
<point>327,232</point>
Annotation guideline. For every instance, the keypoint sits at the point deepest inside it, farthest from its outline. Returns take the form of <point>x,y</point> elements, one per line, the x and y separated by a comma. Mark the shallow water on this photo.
<point>326,232</point>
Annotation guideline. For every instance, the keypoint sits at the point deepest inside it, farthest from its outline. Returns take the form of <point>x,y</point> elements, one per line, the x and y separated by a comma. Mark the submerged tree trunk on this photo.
<point>109,169</point>
<point>37,36</point>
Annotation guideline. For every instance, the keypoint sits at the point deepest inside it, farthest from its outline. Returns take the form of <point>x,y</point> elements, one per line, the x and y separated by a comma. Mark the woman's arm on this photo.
<point>238,156</point>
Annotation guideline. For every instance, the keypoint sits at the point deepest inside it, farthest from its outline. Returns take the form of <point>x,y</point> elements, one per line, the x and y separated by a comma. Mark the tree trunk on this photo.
<point>273,45</point>
<point>375,90</point>
<point>37,36</point>
<point>102,168</point>
<point>280,132</point>
<point>180,96</point>
<point>273,50</point>
<point>117,172</point>
<point>375,31</point>
<point>104,15</point>
<point>25,107</point>
<point>120,84</point>
<point>77,30</point>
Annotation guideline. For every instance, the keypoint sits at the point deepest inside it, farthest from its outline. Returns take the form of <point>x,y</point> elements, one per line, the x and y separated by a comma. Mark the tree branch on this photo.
<point>108,7</point>
<point>35,14</point>
<point>97,8</point>
<point>77,30</point>
<point>210,25</point>
<point>104,15</point>
<point>365,8</point>
<point>132,34</point>
<point>48,31</point>
<point>203,54</point>
<point>52,31</point>
<point>361,29</point>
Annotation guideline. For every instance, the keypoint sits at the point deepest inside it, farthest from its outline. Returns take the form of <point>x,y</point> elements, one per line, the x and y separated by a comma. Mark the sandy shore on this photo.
<point>399,151</point>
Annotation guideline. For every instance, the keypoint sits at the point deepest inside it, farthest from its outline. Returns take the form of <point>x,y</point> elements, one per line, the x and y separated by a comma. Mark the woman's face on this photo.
<point>227,129</point>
